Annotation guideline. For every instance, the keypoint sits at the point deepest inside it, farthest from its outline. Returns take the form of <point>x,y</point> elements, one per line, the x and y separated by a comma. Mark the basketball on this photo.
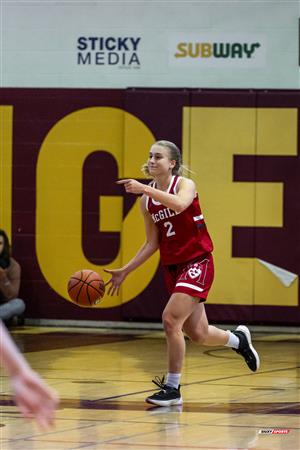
<point>86,288</point>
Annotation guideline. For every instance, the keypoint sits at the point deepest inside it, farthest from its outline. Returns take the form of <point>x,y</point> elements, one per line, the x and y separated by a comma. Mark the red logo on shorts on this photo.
<point>194,272</point>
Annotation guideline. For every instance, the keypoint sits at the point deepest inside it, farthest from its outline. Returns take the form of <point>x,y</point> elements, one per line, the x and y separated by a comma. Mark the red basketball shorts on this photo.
<point>193,278</point>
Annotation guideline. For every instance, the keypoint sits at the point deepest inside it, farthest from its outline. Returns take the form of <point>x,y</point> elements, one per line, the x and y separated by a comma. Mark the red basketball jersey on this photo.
<point>182,236</point>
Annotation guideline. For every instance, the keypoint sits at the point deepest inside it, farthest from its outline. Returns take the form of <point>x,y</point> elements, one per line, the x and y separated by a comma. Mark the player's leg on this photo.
<point>178,309</point>
<point>199,331</point>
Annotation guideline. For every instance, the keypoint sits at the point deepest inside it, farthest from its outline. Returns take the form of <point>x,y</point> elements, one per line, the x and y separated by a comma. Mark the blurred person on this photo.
<point>34,398</point>
<point>11,306</point>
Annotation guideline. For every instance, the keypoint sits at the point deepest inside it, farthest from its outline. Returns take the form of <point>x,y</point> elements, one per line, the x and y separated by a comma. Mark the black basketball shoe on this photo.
<point>246,348</point>
<point>167,396</point>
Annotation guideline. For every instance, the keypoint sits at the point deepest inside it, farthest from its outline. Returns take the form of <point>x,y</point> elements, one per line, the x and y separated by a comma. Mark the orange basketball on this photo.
<point>86,288</point>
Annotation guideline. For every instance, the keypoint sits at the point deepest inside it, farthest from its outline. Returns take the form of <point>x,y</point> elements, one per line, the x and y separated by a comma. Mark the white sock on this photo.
<point>233,341</point>
<point>173,379</point>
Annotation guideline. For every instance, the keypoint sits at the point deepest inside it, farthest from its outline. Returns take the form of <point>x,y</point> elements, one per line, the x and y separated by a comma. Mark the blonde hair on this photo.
<point>174,155</point>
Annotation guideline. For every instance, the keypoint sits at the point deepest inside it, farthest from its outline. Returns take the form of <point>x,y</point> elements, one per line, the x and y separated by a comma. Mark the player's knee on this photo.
<point>169,323</point>
<point>198,336</point>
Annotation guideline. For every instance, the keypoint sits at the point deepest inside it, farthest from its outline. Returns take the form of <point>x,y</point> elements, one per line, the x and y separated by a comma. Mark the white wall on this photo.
<point>39,43</point>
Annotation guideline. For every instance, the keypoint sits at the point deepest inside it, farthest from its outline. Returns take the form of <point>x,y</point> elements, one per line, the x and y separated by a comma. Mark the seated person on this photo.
<point>11,307</point>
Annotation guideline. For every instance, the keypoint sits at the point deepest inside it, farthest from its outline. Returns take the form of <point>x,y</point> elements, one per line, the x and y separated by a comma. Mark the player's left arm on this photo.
<point>177,202</point>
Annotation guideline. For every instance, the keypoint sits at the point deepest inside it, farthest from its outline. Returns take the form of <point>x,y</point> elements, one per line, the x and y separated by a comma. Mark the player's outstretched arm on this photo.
<point>34,398</point>
<point>147,250</point>
<point>177,202</point>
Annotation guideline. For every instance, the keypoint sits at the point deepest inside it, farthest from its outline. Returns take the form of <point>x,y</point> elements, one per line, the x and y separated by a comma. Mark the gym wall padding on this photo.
<point>63,149</point>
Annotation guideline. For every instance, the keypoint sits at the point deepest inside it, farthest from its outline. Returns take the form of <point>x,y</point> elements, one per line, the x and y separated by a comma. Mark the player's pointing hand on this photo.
<point>132,186</point>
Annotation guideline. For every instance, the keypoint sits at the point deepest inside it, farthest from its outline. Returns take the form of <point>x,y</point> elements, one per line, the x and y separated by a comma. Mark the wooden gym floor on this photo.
<point>103,377</point>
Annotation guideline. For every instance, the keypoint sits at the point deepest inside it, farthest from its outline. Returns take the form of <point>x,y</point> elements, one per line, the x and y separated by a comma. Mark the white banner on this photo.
<point>120,44</point>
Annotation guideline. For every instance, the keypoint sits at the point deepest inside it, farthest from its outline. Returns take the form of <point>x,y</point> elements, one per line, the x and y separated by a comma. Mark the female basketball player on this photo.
<point>175,225</point>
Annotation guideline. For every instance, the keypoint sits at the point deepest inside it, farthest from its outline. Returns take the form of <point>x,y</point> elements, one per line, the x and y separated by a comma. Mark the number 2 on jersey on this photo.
<point>170,231</point>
